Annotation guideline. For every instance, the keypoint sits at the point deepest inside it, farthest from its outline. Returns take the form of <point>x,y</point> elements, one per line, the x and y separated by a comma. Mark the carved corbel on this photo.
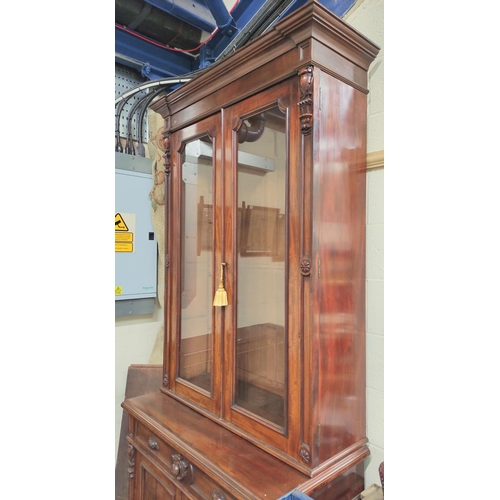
<point>306,81</point>
<point>181,467</point>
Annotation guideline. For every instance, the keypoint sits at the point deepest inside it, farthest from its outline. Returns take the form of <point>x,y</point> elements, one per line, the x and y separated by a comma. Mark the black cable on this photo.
<point>129,149</point>
<point>122,100</point>
<point>129,145</point>
<point>118,145</point>
<point>160,81</point>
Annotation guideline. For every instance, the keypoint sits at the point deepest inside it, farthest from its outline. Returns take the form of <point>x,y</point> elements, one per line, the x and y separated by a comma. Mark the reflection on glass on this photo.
<point>196,264</point>
<point>260,361</point>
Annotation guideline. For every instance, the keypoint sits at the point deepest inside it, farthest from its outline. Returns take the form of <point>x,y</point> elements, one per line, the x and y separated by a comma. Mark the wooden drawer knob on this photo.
<point>153,443</point>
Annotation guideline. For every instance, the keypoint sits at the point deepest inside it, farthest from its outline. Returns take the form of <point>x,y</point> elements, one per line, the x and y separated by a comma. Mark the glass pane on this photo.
<point>261,361</point>
<point>196,264</point>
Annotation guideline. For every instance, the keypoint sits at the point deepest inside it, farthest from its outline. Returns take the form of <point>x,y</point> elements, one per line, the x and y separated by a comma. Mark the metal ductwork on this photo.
<point>151,22</point>
<point>169,21</point>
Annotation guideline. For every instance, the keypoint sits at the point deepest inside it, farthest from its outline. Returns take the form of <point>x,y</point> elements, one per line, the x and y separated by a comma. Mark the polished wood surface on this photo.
<point>293,403</point>
<point>249,471</point>
<point>165,433</point>
<point>338,283</point>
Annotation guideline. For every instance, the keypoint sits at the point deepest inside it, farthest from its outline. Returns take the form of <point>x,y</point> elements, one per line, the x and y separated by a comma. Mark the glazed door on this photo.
<point>194,240</point>
<point>261,356</point>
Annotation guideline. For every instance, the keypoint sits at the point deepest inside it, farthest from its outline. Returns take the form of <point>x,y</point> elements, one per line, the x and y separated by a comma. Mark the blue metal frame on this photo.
<point>224,20</point>
<point>153,62</point>
<point>242,14</point>
<point>245,10</point>
<point>156,62</point>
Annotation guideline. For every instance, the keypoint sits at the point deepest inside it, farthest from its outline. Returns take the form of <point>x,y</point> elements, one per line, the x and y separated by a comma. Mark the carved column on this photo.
<point>166,156</point>
<point>306,117</point>
<point>306,84</point>
<point>131,461</point>
<point>131,469</point>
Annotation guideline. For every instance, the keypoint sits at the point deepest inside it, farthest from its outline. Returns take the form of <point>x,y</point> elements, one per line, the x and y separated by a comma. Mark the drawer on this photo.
<point>185,474</point>
<point>157,447</point>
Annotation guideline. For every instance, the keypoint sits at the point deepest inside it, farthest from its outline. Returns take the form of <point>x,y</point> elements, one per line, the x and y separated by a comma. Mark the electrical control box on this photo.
<point>136,248</point>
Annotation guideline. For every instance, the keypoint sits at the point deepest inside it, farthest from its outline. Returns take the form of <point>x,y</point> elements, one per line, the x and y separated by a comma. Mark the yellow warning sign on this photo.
<point>124,232</point>
<point>124,237</point>
<point>124,247</point>
<point>120,223</point>
<point>118,290</point>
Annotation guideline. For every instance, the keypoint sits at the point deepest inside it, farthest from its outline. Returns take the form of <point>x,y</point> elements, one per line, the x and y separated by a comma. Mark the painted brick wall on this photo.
<point>367,16</point>
<point>375,324</point>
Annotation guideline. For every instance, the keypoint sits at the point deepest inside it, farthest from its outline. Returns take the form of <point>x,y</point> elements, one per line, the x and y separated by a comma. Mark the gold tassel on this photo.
<point>220,298</point>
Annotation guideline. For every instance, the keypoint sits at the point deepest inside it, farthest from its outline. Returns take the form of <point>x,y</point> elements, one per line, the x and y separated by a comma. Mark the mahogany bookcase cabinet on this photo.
<point>264,355</point>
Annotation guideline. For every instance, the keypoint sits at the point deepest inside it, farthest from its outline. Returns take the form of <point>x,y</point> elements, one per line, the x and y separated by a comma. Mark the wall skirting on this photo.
<point>375,160</point>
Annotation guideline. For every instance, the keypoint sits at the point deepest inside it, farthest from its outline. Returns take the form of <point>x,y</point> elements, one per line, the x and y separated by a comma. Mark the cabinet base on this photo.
<point>171,438</point>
